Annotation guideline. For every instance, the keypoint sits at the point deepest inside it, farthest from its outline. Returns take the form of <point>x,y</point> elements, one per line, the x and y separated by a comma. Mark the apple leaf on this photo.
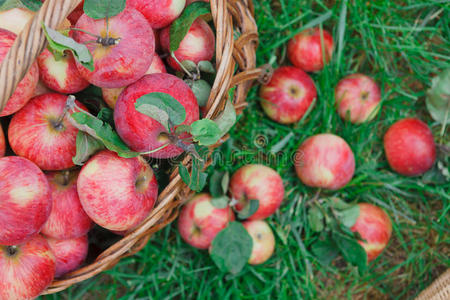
<point>315,219</point>
<point>106,115</point>
<point>218,183</point>
<point>33,5</point>
<point>86,146</point>
<point>231,248</point>
<point>189,65</point>
<point>351,250</point>
<point>101,9</point>
<point>227,118</point>
<point>206,132</point>
<point>163,108</point>
<point>348,216</point>
<point>101,131</point>
<point>201,90</point>
<point>196,181</point>
<point>58,43</point>
<point>438,98</point>
<point>249,209</point>
<point>325,251</point>
<point>220,201</point>
<point>181,26</point>
<point>206,66</point>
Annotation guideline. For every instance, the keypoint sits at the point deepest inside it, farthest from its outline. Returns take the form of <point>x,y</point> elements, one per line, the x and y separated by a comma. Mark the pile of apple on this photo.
<point>47,203</point>
<point>324,161</point>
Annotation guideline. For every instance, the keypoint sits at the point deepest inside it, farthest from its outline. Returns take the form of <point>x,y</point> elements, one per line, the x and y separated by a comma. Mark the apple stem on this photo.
<point>66,177</point>
<point>11,250</point>
<point>58,123</point>
<point>181,65</point>
<point>156,150</point>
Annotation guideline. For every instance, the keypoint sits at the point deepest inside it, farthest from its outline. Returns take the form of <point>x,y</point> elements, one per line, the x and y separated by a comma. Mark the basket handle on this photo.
<point>29,44</point>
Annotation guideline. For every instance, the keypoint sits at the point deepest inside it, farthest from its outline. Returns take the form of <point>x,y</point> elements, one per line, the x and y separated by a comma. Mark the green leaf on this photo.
<point>9,4</point>
<point>231,248</point>
<point>206,132</point>
<point>181,26</point>
<point>338,203</point>
<point>218,183</point>
<point>351,250</point>
<point>189,65</point>
<point>183,128</point>
<point>163,108</point>
<point>184,174</point>
<point>101,9</point>
<point>33,5</point>
<point>106,115</point>
<point>58,43</point>
<point>103,132</point>
<point>249,209</point>
<point>325,251</point>
<point>438,98</point>
<point>201,90</point>
<point>196,181</point>
<point>227,118</point>
<point>220,202</point>
<point>206,66</point>
<point>348,216</point>
<point>315,219</point>
<point>86,146</point>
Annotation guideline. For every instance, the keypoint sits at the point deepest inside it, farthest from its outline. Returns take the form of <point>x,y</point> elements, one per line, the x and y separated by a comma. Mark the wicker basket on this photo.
<point>231,54</point>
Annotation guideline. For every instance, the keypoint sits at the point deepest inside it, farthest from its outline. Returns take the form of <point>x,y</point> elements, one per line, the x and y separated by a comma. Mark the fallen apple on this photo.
<point>409,147</point>
<point>263,241</point>
<point>199,221</point>
<point>325,161</point>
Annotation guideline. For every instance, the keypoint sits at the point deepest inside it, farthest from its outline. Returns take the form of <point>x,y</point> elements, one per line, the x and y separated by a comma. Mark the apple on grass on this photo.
<point>26,86</point>
<point>69,254</point>
<point>25,201</point>
<point>60,75</point>
<point>43,134</point>
<point>357,98</point>
<point>288,95</point>
<point>263,241</point>
<point>375,228</point>
<point>117,193</point>
<point>143,133</point>
<point>305,49</point>
<point>257,182</point>
<point>197,45</point>
<point>409,147</point>
<point>325,161</point>
<point>67,219</point>
<point>111,95</point>
<point>199,221</point>
<point>124,55</point>
<point>26,270</point>
<point>159,13</point>
<point>2,142</point>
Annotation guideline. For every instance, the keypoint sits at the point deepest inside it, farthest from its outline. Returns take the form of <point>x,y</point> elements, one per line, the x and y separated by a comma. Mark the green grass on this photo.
<point>402,44</point>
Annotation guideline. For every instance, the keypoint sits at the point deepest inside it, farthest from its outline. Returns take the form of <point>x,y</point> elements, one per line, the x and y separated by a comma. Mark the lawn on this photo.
<point>402,44</point>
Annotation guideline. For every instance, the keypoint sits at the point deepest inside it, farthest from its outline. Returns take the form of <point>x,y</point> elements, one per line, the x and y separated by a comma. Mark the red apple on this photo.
<point>325,161</point>
<point>69,254</point>
<point>260,183</point>
<point>2,142</point>
<point>305,49</point>
<point>67,219</point>
<point>357,98</point>
<point>410,147</point>
<point>159,13</point>
<point>127,59</point>
<point>25,88</point>
<point>288,95</point>
<point>374,226</point>
<point>111,95</point>
<point>41,89</point>
<point>38,133</point>
<point>117,193</point>
<point>197,45</point>
<point>26,270</point>
<point>263,241</point>
<point>143,133</point>
<point>25,202</point>
<point>60,75</point>
<point>199,221</point>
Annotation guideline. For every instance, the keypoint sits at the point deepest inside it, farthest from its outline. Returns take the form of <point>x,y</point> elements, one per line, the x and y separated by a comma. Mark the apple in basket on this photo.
<point>159,13</point>
<point>69,254</point>
<point>26,270</point>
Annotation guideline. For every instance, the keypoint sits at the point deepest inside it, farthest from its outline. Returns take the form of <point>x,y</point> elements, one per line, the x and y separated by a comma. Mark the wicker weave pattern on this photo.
<point>230,17</point>
<point>438,290</point>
